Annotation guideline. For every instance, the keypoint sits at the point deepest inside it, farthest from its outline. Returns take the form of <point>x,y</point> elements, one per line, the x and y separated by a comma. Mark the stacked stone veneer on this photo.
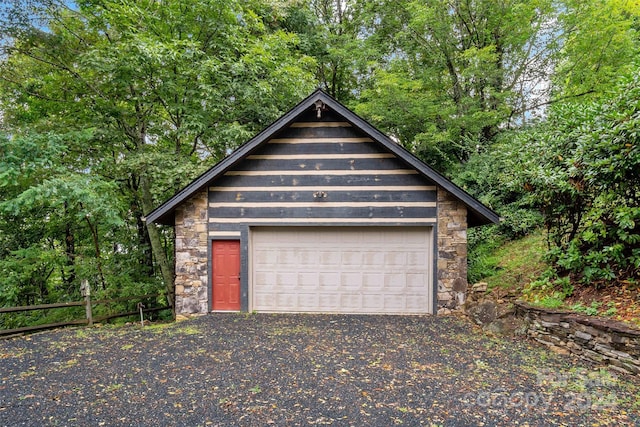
<point>595,339</point>
<point>191,255</point>
<point>452,252</point>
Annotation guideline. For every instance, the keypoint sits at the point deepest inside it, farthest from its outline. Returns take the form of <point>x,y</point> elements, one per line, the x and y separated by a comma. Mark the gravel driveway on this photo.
<point>291,370</point>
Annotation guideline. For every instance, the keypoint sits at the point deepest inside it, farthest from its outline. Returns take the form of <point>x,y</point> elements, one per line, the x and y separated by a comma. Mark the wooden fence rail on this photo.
<point>88,303</point>
<point>41,306</point>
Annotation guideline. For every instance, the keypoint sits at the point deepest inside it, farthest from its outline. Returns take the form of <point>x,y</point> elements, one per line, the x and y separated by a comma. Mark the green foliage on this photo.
<point>581,168</point>
<point>331,32</point>
<point>47,218</point>
<point>482,244</point>
<point>551,301</point>
<point>457,71</point>
<point>508,264</point>
<point>600,43</point>
<point>40,317</point>
<point>611,310</point>
<point>491,176</point>
<point>111,107</point>
<point>590,310</point>
<point>549,291</point>
<point>595,308</point>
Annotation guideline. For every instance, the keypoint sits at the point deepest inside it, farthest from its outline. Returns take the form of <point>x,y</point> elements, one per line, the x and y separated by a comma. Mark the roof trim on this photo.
<point>164,213</point>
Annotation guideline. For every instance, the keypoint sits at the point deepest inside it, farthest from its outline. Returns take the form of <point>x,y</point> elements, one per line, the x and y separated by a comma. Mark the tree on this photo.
<point>599,44</point>
<point>167,88</point>
<point>582,170</point>
<point>453,75</point>
<point>50,222</point>
<point>458,71</point>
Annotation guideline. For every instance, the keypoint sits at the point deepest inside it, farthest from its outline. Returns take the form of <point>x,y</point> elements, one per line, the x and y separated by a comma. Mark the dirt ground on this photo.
<point>295,370</point>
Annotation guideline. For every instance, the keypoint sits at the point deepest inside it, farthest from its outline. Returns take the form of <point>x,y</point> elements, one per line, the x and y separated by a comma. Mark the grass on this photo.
<point>516,263</point>
<point>517,269</point>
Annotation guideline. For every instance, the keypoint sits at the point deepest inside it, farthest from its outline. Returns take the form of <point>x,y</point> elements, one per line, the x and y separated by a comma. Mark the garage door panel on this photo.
<point>287,279</point>
<point>308,301</point>
<point>351,280</point>
<point>414,302</point>
<point>308,258</point>
<point>287,257</point>
<point>352,257</point>
<point>332,257</point>
<point>329,280</point>
<point>394,281</point>
<point>262,276</point>
<point>350,301</point>
<point>395,302</point>
<point>339,269</point>
<point>308,279</point>
<point>264,300</point>
<point>328,301</point>
<point>414,258</point>
<point>415,280</point>
<point>373,258</point>
<point>264,256</point>
<point>372,281</point>
<point>372,301</point>
<point>392,259</point>
<point>286,300</point>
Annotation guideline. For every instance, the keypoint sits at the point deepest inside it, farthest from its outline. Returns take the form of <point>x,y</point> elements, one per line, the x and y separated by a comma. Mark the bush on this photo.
<point>581,169</point>
<point>482,242</point>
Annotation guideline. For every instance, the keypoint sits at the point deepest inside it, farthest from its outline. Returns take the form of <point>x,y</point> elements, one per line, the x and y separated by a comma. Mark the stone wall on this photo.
<point>452,252</point>
<point>592,338</point>
<point>191,256</point>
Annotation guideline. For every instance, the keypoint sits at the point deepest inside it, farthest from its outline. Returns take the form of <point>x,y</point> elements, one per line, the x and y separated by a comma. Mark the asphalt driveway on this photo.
<point>295,370</point>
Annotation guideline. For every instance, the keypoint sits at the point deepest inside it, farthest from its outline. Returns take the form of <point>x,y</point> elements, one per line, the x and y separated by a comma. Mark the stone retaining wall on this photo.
<point>592,338</point>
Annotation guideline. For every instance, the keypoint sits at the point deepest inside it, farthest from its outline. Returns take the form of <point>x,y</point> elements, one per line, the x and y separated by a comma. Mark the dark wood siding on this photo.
<point>322,171</point>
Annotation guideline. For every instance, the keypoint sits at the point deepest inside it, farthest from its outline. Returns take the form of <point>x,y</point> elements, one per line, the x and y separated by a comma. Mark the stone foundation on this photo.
<point>595,339</point>
<point>452,252</point>
<point>191,255</point>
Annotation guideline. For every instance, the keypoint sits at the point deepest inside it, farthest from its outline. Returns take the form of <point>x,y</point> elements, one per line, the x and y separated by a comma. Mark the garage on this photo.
<point>383,270</point>
<point>321,213</point>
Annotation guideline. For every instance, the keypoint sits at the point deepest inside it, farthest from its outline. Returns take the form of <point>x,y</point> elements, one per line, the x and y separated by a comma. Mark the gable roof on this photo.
<point>478,213</point>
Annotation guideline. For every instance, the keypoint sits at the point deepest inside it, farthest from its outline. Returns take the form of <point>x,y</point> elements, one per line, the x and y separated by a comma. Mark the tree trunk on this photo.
<point>144,243</point>
<point>69,275</point>
<point>96,246</point>
<point>156,242</point>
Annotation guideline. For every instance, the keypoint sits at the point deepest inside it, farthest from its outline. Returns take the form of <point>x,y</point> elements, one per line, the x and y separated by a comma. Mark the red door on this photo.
<point>226,275</point>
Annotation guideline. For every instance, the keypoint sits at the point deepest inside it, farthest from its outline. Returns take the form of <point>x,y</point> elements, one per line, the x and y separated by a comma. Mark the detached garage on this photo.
<point>320,213</point>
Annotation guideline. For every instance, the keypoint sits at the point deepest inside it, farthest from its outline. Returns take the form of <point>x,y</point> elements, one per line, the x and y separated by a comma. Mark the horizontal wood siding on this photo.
<point>363,194</point>
<point>319,181</point>
<point>322,212</point>
<point>322,171</point>
<point>309,164</point>
<point>338,147</point>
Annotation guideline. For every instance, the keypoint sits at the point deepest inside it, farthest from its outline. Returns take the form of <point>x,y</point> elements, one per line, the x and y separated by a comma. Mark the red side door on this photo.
<point>226,275</point>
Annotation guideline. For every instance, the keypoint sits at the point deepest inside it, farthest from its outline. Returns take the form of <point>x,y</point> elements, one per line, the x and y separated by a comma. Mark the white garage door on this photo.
<point>344,270</point>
